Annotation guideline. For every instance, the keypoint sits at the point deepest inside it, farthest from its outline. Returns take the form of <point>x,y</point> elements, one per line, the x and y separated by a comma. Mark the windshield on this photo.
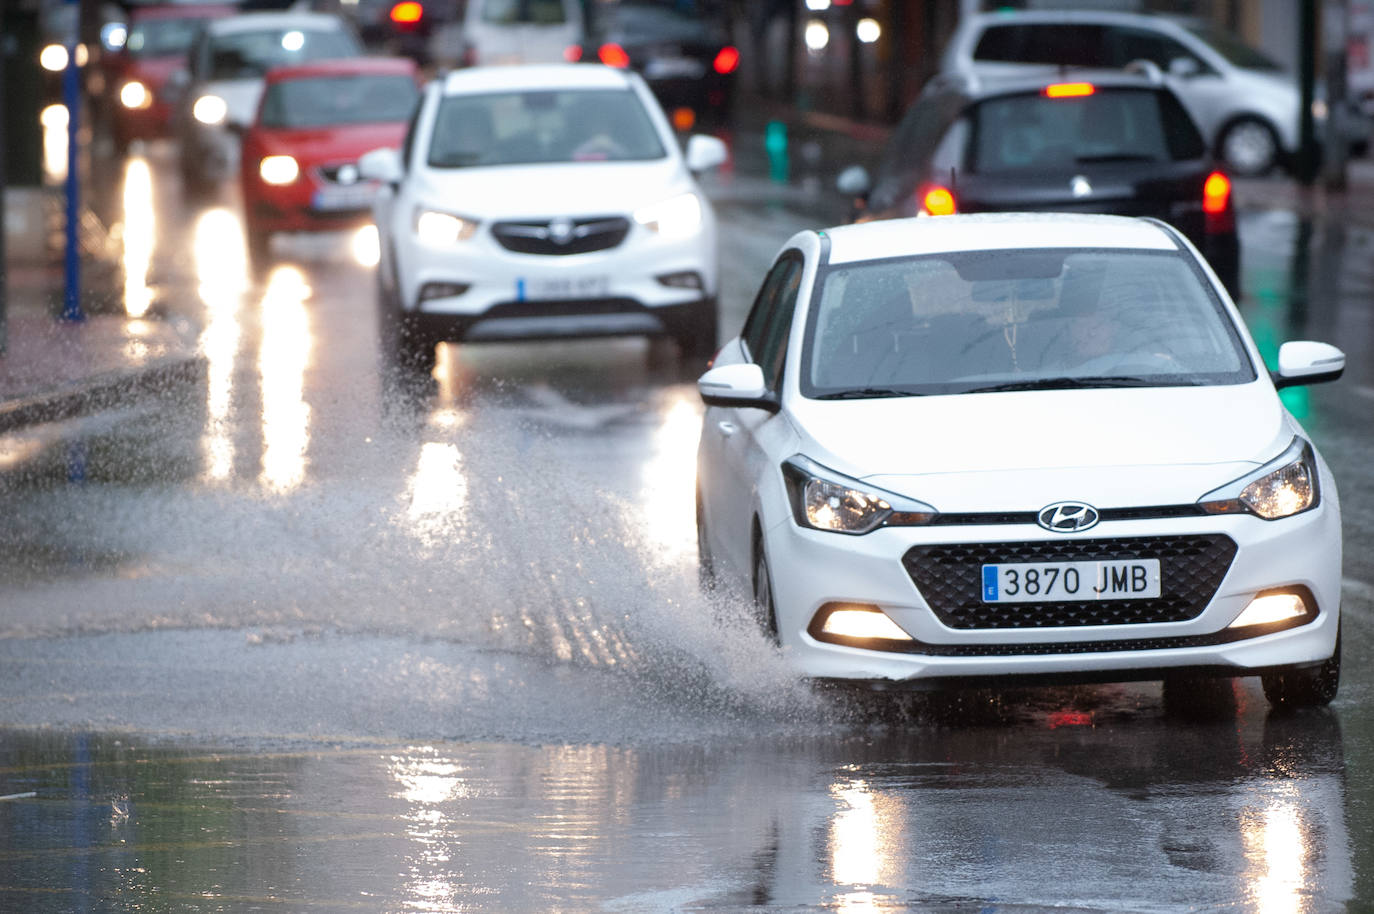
<point>162,37</point>
<point>1233,49</point>
<point>332,100</point>
<point>958,323</point>
<point>246,55</point>
<point>526,12</point>
<point>517,128</point>
<point>1032,131</point>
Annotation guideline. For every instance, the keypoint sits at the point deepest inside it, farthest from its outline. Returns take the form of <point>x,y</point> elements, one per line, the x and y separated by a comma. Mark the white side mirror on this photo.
<point>1308,362</point>
<point>381,165</point>
<point>736,385</point>
<point>854,181</point>
<point>705,152</point>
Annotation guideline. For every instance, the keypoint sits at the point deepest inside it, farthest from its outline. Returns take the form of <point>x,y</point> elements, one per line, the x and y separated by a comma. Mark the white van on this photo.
<point>510,31</point>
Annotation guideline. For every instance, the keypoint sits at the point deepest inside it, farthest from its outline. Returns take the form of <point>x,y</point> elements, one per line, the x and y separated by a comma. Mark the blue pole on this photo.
<point>71,97</point>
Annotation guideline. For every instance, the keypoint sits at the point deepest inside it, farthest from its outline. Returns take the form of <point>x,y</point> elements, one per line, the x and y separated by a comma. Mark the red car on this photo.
<point>139,74</point>
<point>298,168</point>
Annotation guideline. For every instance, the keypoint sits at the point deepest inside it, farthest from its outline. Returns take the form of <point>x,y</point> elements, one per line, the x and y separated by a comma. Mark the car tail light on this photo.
<point>727,60</point>
<point>613,55</point>
<point>1216,203</point>
<point>572,53</point>
<point>407,12</point>
<point>1069,90</point>
<point>938,201</point>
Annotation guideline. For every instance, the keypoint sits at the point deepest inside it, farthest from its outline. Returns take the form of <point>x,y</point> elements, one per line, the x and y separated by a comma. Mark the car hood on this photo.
<point>542,191</point>
<point>1022,450</point>
<point>331,144</point>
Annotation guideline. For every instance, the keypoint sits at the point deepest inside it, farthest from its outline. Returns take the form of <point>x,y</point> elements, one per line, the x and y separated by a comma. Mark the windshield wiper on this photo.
<point>864,393</point>
<point>1070,382</point>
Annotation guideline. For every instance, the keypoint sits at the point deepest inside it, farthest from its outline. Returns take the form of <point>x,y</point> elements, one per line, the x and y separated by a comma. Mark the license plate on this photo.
<point>344,197</point>
<point>1037,582</point>
<point>562,287</point>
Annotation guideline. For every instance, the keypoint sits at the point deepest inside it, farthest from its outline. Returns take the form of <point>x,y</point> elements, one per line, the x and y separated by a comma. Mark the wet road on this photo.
<point>293,644</point>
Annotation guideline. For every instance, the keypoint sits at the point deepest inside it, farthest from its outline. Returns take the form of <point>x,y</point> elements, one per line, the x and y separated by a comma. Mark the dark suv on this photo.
<point>1116,142</point>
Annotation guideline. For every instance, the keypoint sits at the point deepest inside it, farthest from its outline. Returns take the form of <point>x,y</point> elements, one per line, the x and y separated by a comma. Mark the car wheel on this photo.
<point>764,609</point>
<point>697,339</point>
<point>706,564</point>
<point>405,347</point>
<point>1311,687</point>
<point>1249,147</point>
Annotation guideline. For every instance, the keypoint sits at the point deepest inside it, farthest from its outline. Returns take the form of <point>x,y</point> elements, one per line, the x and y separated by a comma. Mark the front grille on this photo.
<point>949,577</point>
<point>562,236</point>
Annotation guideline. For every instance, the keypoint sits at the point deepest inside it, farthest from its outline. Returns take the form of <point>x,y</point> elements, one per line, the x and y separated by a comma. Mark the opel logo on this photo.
<point>561,231</point>
<point>1067,517</point>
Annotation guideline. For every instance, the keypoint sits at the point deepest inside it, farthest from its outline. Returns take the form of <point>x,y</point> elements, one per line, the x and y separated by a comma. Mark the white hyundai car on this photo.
<point>1019,448</point>
<point>543,202</point>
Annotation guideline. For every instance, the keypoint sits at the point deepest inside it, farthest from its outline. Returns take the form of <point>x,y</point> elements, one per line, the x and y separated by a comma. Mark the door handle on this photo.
<point>727,428</point>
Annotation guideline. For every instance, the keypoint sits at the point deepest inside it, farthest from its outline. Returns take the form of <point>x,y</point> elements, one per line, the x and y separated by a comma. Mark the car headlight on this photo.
<point>135,96</point>
<point>279,169</point>
<point>676,217</point>
<point>440,229</point>
<point>1284,486</point>
<point>210,110</point>
<point>825,500</point>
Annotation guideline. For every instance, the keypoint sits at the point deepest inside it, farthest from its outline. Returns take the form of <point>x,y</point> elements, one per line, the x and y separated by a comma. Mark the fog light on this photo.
<point>862,624</point>
<point>688,279</point>
<point>442,290</point>
<point>1269,608</point>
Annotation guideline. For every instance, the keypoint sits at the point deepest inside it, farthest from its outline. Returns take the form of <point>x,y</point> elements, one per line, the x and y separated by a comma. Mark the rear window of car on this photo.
<point>524,12</point>
<point>1044,43</point>
<point>248,55</point>
<point>522,128</point>
<point>1032,131</point>
<point>325,101</point>
<point>968,321</point>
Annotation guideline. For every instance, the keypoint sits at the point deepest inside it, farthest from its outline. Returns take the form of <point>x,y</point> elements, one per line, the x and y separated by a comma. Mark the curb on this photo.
<point>101,392</point>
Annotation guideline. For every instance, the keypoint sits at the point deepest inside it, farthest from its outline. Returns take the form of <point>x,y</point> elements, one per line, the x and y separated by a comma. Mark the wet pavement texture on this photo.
<point>290,641</point>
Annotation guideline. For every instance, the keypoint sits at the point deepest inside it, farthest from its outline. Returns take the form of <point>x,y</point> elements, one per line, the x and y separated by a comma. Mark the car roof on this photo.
<point>257,22</point>
<point>535,76</point>
<point>916,236</point>
<point>346,66</point>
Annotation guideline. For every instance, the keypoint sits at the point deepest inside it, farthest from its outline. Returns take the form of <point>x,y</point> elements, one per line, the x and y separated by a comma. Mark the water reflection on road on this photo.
<point>1244,816</point>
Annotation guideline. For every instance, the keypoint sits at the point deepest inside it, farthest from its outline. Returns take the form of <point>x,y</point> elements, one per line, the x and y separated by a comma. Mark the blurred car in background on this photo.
<point>299,168</point>
<point>140,70</point>
<point>224,81</point>
<point>1245,104</point>
<point>1115,142</point>
<point>508,32</point>
<point>401,27</point>
<point>546,201</point>
<point>683,51</point>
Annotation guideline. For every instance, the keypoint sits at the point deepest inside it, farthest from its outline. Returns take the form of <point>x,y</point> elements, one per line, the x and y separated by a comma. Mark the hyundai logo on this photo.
<point>1067,517</point>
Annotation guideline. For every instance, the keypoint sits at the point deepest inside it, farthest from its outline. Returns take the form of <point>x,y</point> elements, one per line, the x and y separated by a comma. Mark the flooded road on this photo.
<point>297,643</point>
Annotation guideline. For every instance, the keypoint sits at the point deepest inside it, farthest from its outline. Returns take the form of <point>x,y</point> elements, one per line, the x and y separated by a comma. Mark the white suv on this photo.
<point>1245,104</point>
<point>538,202</point>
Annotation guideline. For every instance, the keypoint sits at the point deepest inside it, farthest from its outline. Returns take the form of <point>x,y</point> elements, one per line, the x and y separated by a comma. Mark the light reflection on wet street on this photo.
<point>308,642</point>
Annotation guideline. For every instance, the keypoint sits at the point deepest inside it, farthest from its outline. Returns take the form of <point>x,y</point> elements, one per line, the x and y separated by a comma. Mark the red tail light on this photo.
<point>726,60</point>
<point>408,12</point>
<point>1216,203</point>
<point>1069,90</point>
<point>572,53</point>
<point>938,201</point>
<point>613,55</point>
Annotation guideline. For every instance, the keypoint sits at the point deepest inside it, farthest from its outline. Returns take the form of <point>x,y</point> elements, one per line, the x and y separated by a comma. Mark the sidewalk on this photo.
<point>53,369</point>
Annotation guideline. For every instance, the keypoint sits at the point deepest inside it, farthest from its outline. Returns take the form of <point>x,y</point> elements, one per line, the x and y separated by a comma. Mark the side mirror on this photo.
<point>854,181</point>
<point>1308,362</point>
<point>1184,67</point>
<point>381,165</point>
<point>705,152</point>
<point>740,385</point>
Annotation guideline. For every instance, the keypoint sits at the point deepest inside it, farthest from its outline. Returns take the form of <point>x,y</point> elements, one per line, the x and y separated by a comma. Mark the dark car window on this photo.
<point>162,37</point>
<point>1068,45</point>
<point>1034,132</point>
<point>530,12</point>
<point>958,322</point>
<point>247,55</point>
<point>1142,44</point>
<point>332,100</point>
<point>765,330</point>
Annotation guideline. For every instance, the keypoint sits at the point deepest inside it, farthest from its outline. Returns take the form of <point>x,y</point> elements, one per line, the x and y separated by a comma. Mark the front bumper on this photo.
<point>812,569</point>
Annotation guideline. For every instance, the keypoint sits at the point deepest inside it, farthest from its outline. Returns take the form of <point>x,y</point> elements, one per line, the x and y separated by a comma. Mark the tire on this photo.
<point>697,339</point>
<point>706,563</point>
<point>406,349</point>
<point>765,611</point>
<point>1249,147</point>
<point>1309,687</point>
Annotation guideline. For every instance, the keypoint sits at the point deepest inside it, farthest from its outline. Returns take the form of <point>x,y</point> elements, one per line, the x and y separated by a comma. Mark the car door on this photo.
<point>385,203</point>
<point>742,432</point>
